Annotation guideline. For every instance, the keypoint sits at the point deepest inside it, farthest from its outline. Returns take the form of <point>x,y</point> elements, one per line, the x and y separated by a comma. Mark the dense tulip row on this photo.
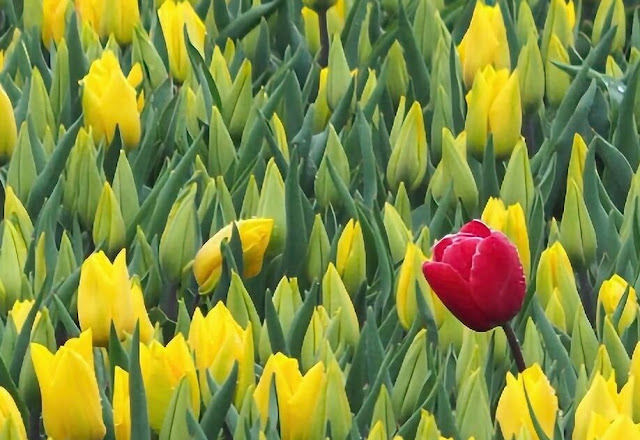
<point>346,219</point>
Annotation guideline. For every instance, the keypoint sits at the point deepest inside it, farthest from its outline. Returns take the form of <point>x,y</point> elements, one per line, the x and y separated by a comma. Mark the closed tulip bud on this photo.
<point>280,136</point>
<point>429,29</point>
<point>442,119</point>
<point>383,415</point>
<point>610,295</point>
<point>602,364</point>
<point>397,233</point>
<point>251,199</point>
<point>325,188</point>
<point>411,378</point>
<point>109,101</point>
<point>180,239</point>
<point>299,397</point>
<point>321,109</point>
<point>108,225</point>
<point>406,290</point>
<point>287,300</point>
<point>397,121</point>
<point>254,236</point>
<point>219,70</point>
<point>613,70</point>
<point>11,424</point>
<point>427,427</point>
<point>511,221</point>
<point>70,396</point>
<point>618,19</point>
<point>560,21</point>
<point>311,29</point>
<point>555,312</point>
<point>526,27</point>
<point>602,401</point>
<point>378,431</point>
<point>124,187</point>
<point>8,128</point>
<point>584,343</point>
<point>531,75</point>
<point>13,256</point>
<point>66,260</point>
<point>22,172</point>
<point>19,312</point>
<point>556,80</point>
<point>121,405</point>
<point>339,75</point>
<point>532,350</point>
<point>224,205</point>
<point>403,205</point>
<point>241,306</point>
<point>218,342</point>
<point>236,102</point>
<point>398,77</point>
<point>472,408</point>
<point>317,257</point>
<point>424,241</point>
<point>272,205</point>
<point>364,39</point>
<point>15,212</point>
<point>334,298</point>
<point>338,411</point>
<point>408,161</point>
<point>162,370</point>
<point>576,230</point>
<point>54,19</point>
<point>314,338</point>
<point>484,43</point>
<point>517,185</point>
<point>577,161</point>
<point>351,258</point>
<point>120,18</point>
<point>173,17</point>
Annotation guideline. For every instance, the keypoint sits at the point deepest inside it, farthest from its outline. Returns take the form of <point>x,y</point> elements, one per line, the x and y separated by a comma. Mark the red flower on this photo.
<point>478,276</point>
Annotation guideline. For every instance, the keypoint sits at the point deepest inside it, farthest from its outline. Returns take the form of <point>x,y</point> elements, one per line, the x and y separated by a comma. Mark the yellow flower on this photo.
<point>109,100</point>
<point>494,107</point>
<point>622,427</point>
<point>254,235</point>
<point>299,397</point>
<point>121,405</point>
<point>560,21</point>
<point>511,221</point>
<point>54,13</point>
<point>557,81</point>
<point>162,370</point>
<point>513,412</point>
<point>19,313</point>
<point>485,42</point>
<point>618,19</point>
<point>610,294</point>
<point>90,12</point>
<point>218,341</point>
<point>351,259</point>
<point>70,397</point>
<point>10,419</point>
<point>120,18</point>
<point>173,18</point>
<point>8,128</point>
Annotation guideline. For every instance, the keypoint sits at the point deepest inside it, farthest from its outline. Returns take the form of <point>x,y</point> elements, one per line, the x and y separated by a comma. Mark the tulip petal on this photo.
<point>460,254</point>
<point>455,294</point>
<point>476,228</point>
<point>497,278</point>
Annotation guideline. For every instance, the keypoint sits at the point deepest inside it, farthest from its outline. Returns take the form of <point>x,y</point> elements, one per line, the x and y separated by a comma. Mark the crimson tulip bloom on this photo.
<point>478,276</point>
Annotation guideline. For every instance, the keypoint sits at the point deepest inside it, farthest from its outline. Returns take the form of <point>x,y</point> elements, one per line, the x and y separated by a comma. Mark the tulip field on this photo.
<point>319,219</point>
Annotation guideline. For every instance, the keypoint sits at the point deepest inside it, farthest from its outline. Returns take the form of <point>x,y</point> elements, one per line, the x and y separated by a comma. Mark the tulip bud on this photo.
<point>424,241</point>
<point>613,70</point>
<point>406,290</point>
<point>378,431</point>
<point>15,212</point>
<point>61,403</point>
<point>241,306</point>
<point>408,161</point>
<point>317,257</point>
<point>11,425</point>
<point>556,80</point>
<point>610,295</point>
<point>577,161</point>
<point>334,298</point>
<point>339,75</point>
<point>532,350</point>
<point>472,408</point>
<point>121,405</point>
<point>65,261</point>
<point>181,238</point>
<point>311,29</point>
<point>398,76</point>
<point>236,102</point>
<point>576,230</point>
<point>22,172</point>
<point>397,233</point>
<point>124,187</point>
<point>325,188</point>
<point>272,205</point>
<point>618,19</point>
<point>120,18</point>
<point>411,378</point>
<point>555,312</point>
<point>337,409</point>
<point>254,236</point>
<point>560,21</point>
<point>351,261</point>
<point>174,17</point>
<point>383,415</point>
<point>314,338</point>
<point>602,364</point>
<point>54,15</point>
<point>280,136</point>
<point>531,75</point>
<point>224,206</point>
<point>8,131</point>
<point>427,428</point>
<point>526,27</point>
<point>397,121</point>
<point>584,343</point>
<point>321,109</point>
<point>13,256</point>
<point>251,199</point>
<point>364,39</point>
<point>84,182</point>
<point>108,225</point>
<point>484,43</point>
<point>287,300</point>
<point>513,413</point>
<point>429,29</point>
<point>39,98</point>
<point>441,119</point>
<point>511,221</point>
<point>517,185</point>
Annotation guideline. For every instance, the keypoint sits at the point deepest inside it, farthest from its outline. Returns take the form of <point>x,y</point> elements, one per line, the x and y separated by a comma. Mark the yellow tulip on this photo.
<point>577,161</point>
<point>618,19</point>
<point>10,419</point>
<point>106,295</point>
<point>622,427</point>
<point>494,107</point>
<point>54,13</point>
<point>119,19</point>
<point>162,370</point>
<point>121,405</point>
<point>610,294</point>
<point>351,259</point>
<point>173,18</point>
<point>560,21</point>
<point>90,12</point>
<point>513,412</point>
<point>557,81</point>
<point>218,341</point>
<point>8,128</point>
<point>511,221</point>
<point>299,397</point>
<point>254,235</point>
<point>19,312</point>
<point>336,15</point>
<point>70,396</point>
<point>109,100</point>
<point>485,42</point>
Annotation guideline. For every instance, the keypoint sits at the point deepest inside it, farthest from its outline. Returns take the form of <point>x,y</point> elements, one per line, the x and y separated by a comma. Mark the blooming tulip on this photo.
<point>109,100</point>
<point>484,43</point>
<point>513,412</point>
<point>173,19</point>
<point>8,128</point>
<point>162,370</point>
<point>478,276</point>
<point>70,396</point>
<point>254,236</point>
<point>610,294</point>
<point>54,14</point>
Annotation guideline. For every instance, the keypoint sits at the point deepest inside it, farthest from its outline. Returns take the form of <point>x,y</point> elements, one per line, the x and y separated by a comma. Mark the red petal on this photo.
<point>441,245</point>
<point>476,228</point>
<point>455,294</point>
<point>497,278</point>
<point>460,254</point>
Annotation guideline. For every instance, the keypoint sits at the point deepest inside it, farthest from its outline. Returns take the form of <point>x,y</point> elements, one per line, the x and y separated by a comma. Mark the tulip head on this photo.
<point>557,81</point>
<point>121,405</point>
<point>408,161</point>
<point>11,423</point>
<point>618,19</point>
<point>478,276</point>
<point>531,75</point>
<point>577,233</point>
<point>54,15</point>
<point>351,259</point>
<point>8,128</point>
<point>611,293</point>
<point>119,19</point>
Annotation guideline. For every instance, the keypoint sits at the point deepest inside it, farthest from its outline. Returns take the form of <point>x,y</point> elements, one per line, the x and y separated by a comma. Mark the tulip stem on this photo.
<point>515,346</point>
<point>324,38</point>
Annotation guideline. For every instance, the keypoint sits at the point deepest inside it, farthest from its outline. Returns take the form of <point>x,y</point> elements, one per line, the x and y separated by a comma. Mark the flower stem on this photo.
<point>324,38</point>
<point>515,346</point>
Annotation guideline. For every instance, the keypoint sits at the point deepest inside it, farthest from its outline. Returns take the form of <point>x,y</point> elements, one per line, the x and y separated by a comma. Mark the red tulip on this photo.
<point>478,276</point>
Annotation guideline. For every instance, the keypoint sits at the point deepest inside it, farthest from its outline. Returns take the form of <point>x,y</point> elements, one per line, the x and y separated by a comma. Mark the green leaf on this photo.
<point>214,416</point>
<point>276,336</point>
